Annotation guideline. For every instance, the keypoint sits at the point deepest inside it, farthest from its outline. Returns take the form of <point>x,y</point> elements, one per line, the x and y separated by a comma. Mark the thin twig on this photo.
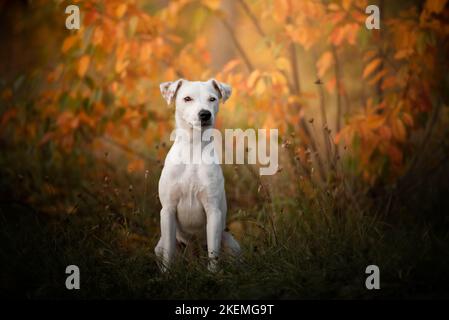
<point>237,44</point>
<point>302,122</point>
<point>339,88</point>
<point>294,65</point>
<point>263,35</point>
<point>253,18</point>
<point>324,118</point>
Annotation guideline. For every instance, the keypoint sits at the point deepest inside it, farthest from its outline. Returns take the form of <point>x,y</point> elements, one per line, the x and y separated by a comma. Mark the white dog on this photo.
<point>192,195</point>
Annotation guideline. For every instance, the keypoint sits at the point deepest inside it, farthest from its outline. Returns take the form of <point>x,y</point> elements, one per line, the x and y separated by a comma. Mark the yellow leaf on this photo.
<point>83,64</point>
<point>324,63</point>
<point>346,4</point>
<point>260,87</point>
<point>121,10</point>
<point>212,4</point>
<point>374,121</point>
<point>282,63</point>
<point>253,77</point>
<point>68,43</point>
<point>277,78</point>
<point>231,65</point>
<point>333,7</point>
<point>371,67</point>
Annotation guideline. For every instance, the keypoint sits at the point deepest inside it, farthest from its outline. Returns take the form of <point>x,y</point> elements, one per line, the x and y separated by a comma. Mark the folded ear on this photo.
<point>223,89</point>
<point>169,89</point>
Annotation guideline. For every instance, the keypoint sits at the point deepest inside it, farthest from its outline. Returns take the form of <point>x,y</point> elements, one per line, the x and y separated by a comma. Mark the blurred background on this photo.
<point>363,123</point>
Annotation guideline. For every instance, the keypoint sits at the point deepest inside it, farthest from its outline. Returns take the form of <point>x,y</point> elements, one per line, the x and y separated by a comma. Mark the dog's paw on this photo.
<point>213,265</point>
<point>162,267</point>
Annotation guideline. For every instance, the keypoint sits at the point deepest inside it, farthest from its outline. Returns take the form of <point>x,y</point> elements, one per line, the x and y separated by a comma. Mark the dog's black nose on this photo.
<point>204,115</point>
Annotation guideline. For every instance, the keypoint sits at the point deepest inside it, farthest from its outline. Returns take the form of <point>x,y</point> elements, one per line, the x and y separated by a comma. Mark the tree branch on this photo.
<point>237,44</point>
<point>262,34</point>
<point>252,18</point>
<point>302,123</point>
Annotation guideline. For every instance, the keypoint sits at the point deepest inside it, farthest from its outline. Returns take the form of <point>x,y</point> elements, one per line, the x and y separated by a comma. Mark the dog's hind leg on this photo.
<point>230,245</point>
<point>159,251</point>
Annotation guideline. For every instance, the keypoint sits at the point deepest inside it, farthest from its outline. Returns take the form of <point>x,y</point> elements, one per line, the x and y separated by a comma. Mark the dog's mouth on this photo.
<point>201,124</point>
<point>205,124</point>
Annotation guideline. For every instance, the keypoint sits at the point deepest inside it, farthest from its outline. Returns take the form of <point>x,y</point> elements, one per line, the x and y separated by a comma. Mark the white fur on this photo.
<point>192,195</point>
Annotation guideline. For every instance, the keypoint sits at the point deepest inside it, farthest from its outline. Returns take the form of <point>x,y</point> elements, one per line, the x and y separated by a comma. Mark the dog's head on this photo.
<point>196,101</point>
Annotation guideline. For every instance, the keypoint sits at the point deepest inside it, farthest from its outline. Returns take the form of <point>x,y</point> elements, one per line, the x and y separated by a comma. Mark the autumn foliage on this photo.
<point>337,91</point>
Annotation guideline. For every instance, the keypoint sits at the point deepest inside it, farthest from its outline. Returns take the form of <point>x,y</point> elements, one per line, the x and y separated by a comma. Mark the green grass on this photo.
<point>314,257</point>
<point>318,247</point>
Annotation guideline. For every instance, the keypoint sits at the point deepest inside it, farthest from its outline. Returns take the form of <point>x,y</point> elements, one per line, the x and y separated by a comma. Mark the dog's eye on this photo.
<point>212,99</point>
<point>187,99</point>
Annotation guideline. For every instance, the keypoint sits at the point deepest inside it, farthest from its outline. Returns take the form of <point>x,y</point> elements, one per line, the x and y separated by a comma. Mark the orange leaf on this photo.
<point>212,4</point>
<point>324,63</point>
<point>371,67</point>
<point>399,130</point>
<point>346,134</point>
<point>330,85</point>
<point>121,10</point>
<point>378,77</point>
<point>408,119</point>
<point>389,82</point>
<point>374,121</point>
<point>8,115</point>
<point>231,65</point>
<point>369,55</point>
<point>435,5</point>
<point>346,4</point>
<point>68,43</point>
<point>253,77</point>
<point>333,7</point>
<point>83,64</point>
<point>385,132</point>
<point>136,165</point>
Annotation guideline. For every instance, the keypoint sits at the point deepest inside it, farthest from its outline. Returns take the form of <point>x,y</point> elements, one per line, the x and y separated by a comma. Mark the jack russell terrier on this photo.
<point>192,195</point>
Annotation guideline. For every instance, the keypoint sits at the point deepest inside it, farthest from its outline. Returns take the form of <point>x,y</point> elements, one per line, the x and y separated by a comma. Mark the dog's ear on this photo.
<point>169,89</point>
<point>223,89</point>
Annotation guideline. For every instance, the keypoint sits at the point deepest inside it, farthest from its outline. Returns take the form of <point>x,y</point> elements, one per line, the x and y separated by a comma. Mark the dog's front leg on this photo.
<point>168,236</point>
<point>214,231</point>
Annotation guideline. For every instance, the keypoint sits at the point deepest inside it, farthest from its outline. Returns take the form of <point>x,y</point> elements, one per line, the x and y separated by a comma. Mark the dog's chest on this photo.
<point>190,212</point>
